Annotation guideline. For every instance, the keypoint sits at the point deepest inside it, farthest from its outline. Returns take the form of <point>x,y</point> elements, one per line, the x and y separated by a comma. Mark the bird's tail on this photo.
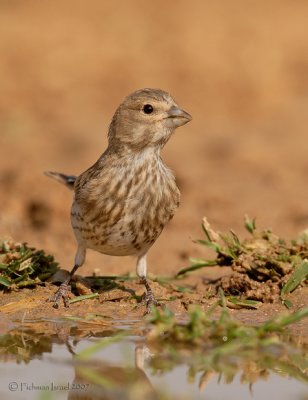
<point>67,180</point>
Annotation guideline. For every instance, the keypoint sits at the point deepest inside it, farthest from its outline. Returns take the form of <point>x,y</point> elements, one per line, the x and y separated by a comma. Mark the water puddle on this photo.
<point>71,359</point>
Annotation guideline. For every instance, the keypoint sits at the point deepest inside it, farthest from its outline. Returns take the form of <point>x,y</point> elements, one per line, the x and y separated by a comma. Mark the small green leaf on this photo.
<point>211,245</point>
<point>287,303</point>
<point>5,282</point>
<point>83,297</point>
<point>182,289</point>
<point>300,273</point>
<point>250,224</point>
<point>239,303</point>
<point>200,261</point>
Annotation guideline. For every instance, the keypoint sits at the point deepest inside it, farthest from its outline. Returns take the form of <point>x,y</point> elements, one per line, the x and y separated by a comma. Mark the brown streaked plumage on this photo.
<point>122,202</point>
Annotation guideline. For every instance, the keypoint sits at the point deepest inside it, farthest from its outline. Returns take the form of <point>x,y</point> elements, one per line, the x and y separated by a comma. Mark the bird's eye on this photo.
<point>148,109</point>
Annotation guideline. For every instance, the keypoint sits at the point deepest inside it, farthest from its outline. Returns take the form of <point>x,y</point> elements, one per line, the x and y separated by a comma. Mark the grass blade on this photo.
<point>235,302</point>
<point>83,297</point>
<point>5,282</point>
<point>96,378</point>
<point>287,303</point>
<point>282,321</point>
<point>211,245</point>
<point>300,273</point>
<point>194,267</point>
<point>92,350</point>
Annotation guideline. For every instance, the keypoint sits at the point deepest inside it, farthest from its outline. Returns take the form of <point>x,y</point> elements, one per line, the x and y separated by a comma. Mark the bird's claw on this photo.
<point>61,293</point>
<point>149,300</point>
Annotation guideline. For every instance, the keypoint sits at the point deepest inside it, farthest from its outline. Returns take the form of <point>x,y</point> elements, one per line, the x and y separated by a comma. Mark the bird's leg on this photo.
<point>64,289</point>
<point>141,272</point>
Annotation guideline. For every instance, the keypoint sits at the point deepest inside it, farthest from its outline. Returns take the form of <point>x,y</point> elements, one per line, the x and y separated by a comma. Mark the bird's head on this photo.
<point>146,118</point>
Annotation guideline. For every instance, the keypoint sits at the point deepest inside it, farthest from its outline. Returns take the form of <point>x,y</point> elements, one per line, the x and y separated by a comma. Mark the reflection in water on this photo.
<point>99,375</point>
<point>106,381</point>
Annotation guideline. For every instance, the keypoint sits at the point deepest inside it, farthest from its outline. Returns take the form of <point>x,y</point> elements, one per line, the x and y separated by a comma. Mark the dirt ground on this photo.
<point>28,308</point>
<point>239,69</point>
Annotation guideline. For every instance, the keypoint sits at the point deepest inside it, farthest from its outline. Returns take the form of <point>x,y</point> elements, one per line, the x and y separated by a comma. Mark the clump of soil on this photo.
<point>264,266</point>
<point>238,284</point>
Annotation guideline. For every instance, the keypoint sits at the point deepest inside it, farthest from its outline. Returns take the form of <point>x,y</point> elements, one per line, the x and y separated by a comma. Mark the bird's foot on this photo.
<point>149,298</point>
<point>62,293</point>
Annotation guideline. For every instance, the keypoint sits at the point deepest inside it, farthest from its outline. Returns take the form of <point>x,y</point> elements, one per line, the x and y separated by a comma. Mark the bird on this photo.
<point>123,201</point>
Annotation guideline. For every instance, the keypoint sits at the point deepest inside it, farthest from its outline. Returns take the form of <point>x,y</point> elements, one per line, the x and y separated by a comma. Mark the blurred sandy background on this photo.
<point>239,67</point>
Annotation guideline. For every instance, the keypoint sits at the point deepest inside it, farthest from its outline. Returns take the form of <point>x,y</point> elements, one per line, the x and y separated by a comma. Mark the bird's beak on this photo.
<point>177,116</point>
